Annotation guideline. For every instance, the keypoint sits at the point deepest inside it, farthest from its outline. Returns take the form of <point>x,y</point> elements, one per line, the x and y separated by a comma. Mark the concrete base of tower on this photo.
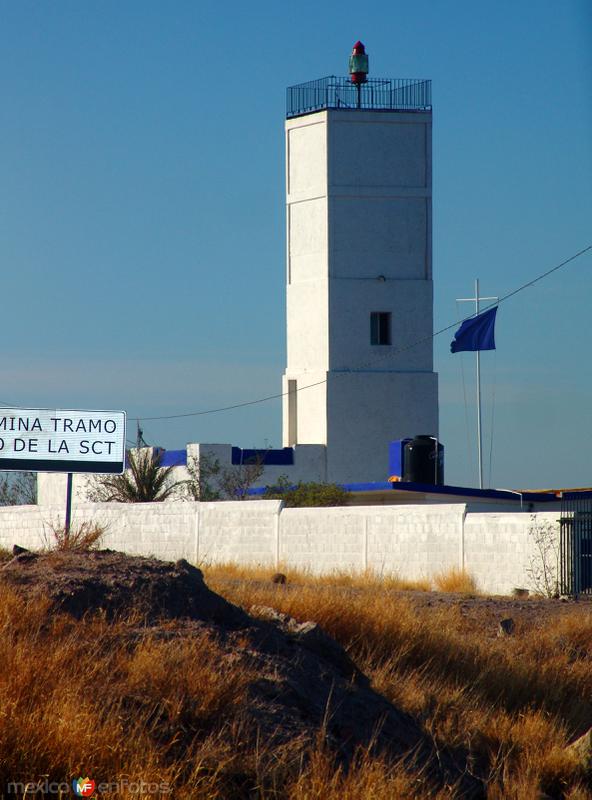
<point>356,415</point>
<point>366,411</point>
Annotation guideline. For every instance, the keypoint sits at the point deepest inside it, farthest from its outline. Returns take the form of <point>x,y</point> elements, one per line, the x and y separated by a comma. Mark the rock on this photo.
<point>17,550</point>
<point>520,593</point>
<point>21,558</point>
<point>582,749</point>
<point>279,577</point>
<point>313,638</point>
<point>506,627</point>
<point>268,613</point>
<point>184,565</point>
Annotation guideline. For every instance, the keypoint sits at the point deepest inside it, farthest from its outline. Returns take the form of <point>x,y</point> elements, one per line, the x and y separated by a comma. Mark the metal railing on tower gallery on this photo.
<point>375,94</point>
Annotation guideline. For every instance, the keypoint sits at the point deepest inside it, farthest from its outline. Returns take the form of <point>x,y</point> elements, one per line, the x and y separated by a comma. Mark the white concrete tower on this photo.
<point>359,272</point>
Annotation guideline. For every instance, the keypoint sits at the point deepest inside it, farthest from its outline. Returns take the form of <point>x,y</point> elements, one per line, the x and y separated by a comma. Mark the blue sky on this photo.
<point>142,209</point>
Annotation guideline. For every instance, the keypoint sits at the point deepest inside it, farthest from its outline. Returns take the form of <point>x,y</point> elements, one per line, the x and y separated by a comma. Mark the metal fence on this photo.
<point>379,94</point>
<point>576,543</point>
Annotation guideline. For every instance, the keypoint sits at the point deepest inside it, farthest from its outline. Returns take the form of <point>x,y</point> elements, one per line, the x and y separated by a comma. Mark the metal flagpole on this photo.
<point>479,436</point>
<point>477,300</point>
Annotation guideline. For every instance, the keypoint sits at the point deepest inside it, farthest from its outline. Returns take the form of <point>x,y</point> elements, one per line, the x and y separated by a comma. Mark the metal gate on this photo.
<point>576,543</point>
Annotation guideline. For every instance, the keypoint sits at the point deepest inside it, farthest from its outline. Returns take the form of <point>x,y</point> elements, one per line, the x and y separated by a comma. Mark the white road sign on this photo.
<point>62,440</point>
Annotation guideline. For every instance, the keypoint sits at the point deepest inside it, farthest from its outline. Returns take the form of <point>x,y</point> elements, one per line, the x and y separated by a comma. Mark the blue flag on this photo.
<point>476,333</point>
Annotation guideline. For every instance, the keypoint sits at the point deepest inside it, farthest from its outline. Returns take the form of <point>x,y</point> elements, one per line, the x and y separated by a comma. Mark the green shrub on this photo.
<point>306,494</point>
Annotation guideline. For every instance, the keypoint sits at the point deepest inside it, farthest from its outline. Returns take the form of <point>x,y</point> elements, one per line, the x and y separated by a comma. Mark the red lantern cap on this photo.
<point>358,64</point>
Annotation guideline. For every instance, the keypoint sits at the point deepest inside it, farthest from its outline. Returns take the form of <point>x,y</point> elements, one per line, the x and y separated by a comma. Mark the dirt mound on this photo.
<point>116,584</point>
<point>306,686</point>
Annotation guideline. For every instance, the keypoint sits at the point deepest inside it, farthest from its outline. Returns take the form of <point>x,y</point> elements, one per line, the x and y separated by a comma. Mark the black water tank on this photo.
<point>421,463</point>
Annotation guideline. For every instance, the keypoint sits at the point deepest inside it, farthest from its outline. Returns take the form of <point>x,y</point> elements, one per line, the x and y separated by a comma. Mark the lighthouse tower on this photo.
<point>359,269</point>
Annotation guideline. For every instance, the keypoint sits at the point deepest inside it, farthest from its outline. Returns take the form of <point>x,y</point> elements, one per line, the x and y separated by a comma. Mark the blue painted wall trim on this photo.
<point>174,458</point>
<point>428,488</point>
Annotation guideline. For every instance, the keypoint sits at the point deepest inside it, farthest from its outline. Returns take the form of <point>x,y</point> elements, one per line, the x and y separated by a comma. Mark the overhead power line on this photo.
<point>389,355</point>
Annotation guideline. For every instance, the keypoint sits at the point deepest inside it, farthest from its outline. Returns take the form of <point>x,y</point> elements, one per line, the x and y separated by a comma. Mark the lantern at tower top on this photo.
<point>358,64</point>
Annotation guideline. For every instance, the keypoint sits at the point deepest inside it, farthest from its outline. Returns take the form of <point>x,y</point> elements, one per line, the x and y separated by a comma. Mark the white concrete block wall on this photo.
<point>500,551</point>
<point>241,531</point>
<point>326,542</point>
<point>414,542</point>
<point>165,531</point>
<point>199,532</point>
<point>23,525</point>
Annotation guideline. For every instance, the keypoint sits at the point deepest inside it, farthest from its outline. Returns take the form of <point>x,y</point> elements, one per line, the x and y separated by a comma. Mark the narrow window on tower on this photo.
<point>380,327</point>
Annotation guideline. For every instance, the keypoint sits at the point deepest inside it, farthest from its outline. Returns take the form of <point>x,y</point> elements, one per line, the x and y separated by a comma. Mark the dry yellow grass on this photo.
<point>161,708</point>
<point>455,581</point>
<point>73,699</point>
<point>341,578</point>
<point>369,778</point>
<point>515,703</point>
<point>80,536</point>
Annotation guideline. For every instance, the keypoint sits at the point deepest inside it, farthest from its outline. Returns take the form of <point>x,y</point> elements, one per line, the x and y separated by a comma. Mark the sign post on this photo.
<point>68,504</point>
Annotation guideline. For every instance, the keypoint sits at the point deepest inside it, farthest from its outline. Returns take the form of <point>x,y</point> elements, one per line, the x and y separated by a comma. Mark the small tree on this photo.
<point>235,481</point>
<point>18,489</point>
<point>306,494</point>
<point>208,480</point>
<point>544,566</point>
<point>144,481</point>
<point>203,478</point>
